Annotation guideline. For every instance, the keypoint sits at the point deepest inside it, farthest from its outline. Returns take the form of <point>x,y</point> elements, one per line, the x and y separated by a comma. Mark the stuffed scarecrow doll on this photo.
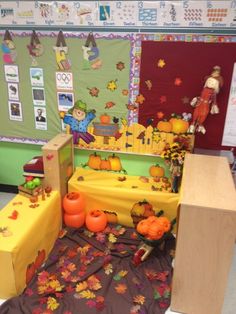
<point>207,101</point>
<point>78,118</point>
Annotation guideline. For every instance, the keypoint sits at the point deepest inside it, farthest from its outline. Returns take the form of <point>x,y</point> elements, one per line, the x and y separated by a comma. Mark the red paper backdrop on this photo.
<point>191,62</point>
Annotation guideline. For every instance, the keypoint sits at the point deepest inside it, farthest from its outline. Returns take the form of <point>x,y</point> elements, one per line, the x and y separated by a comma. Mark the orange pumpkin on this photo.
<point>156,171</point>
<point>115,163</point>
<point>96,220</point>
<point>142,227</point>
<point>105,118</point>
<point>164,126</point>
<point>73,203</point>
<point>179,126</point>
<point>105,164</point>
<point>155,231</point>
<point>75,221</point>
<point>165,223</point>
<point>94,161</point>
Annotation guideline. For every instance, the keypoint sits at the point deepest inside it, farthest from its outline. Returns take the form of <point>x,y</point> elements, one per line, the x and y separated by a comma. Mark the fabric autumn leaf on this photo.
<point>139,299</point>
<point>86,294</point>
<point>120,275</point>
<point>52,304</point>
<point>94,283</point>
<point>81,286</point>
<point>121,288</point>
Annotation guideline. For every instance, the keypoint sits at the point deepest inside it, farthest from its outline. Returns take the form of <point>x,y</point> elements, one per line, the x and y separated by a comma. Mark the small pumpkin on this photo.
<point>156,171</point>
<point>155,231</point>
<point>94,161</point>
<point>115,163</point>
<point>179,126</point>
<point>75,221</point>
<point>142,227</point>
<point>73,203</point>
<point>105,118</point>
<point>96,220</point>
<point>164,126</point>
<point>105,164</point>
<point>165,223</point>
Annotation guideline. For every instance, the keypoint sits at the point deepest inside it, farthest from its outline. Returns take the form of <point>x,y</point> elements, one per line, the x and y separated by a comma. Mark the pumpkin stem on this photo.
<point>123,170</point>
<point>84,165</point>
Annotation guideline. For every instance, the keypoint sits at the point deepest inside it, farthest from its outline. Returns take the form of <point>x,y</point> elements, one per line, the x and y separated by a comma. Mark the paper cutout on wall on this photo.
<point>35,48</point>
<point>61,51</point>
<point>91,54</point>
<point>8,49</point>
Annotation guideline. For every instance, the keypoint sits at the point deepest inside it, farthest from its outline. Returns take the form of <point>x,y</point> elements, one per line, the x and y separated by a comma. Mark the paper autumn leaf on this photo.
<point>112,85</point>
<point>140,299</point>
<point>108,269</point>
<point>87,294</point>
<point>121,288</point>
<point>94,283</point>
<point>81,286</point>
<point>52,304</point>
<point>112,238</point>
<point>161,63</point>
<point>140,99</point>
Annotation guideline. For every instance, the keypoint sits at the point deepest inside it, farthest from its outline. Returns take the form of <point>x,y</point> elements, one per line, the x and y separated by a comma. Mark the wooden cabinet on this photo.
<point>206,235</point>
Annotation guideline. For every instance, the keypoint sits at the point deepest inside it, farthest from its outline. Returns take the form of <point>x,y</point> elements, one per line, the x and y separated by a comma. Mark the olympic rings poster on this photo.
<point>64,80</point>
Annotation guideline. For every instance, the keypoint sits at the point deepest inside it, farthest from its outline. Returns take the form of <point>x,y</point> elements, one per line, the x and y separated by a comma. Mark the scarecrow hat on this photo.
<point>78,105</point>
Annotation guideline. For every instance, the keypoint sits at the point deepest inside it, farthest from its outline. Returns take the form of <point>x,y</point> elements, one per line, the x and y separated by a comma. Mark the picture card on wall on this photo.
<point>64,80</point>
<point>38,96</point>
<point>65,101</point>
<point>11,73</point>
<point>36,77</point>
<point>15,111</point>
<point>13,91</point>
<point>40,118</point>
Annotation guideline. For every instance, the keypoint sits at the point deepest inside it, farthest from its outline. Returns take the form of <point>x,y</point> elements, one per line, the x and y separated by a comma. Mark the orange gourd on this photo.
<point>94,161</point>
<point>165,223</point>
<point>164,126</point>
<point>142,227</point>
<point>115,163</point>
<point>105,118</point>
<point>105,164</point>
<point>156,171</point>
<point>75,221</point>
<point>96,220</point>
<point>73,203</point>
<point>179,126</point>
<point>155,231</point>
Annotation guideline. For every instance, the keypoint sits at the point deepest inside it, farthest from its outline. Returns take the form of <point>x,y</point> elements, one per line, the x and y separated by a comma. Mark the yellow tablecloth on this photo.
<point>102,190</point>
<point>35,229</point>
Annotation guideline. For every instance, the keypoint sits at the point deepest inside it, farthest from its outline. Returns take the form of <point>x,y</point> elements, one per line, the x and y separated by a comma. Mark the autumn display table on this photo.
<point>122,197</point>
<point>27,234</point>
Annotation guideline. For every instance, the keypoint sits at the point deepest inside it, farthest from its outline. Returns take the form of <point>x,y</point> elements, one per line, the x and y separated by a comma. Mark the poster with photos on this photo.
<point>13,91</point>
<point>38,96</point>
<point>11,73</point>
<point>40,117</point>
<point>15,111</point>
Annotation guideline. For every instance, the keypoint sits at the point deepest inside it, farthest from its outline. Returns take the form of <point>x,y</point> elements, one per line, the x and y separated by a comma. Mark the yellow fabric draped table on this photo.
<point>26,241</point>
<point>106,191</point>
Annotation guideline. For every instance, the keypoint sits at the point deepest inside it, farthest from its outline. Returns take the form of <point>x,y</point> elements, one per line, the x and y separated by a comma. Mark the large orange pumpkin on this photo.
<point>94,161</point>
<point>115,163</point>
<point>156,171</point>
<point>73,203</point>
<point>75,221</point>
<point>179,126</point>
<point>142,227</point>
<point>164,126</point>
<point>96,220</point>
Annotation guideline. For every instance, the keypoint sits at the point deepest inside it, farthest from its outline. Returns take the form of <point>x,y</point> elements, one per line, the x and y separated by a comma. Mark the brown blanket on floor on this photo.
<point>94,273</point>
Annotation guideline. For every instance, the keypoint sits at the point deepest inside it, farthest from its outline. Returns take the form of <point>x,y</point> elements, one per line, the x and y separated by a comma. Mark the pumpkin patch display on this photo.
<point>105,164</point>
<point>140,211</point>
<point>164,126</point>
<point>96,220</point>
<point>156,171</point>
<point>179,126</point>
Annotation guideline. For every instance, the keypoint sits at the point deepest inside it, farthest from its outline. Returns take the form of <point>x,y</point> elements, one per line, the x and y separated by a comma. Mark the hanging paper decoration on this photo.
<point>61,51</point>
<point>35,48</point>
<point>8,48</point>
<point>91,54</point>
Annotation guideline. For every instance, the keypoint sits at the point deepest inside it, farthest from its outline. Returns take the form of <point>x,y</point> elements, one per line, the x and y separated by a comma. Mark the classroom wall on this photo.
<point>13,156</point>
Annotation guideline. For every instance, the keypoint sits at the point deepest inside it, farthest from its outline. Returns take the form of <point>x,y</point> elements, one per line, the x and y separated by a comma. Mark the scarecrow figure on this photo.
<point>78,118</point>
<point>176,168</point>
<point>207,101</point>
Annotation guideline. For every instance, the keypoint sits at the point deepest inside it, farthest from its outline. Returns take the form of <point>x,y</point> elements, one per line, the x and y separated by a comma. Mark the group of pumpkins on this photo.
<point>154,228</point>
<point>112,163</point>
<point>75,215</point>
<point>175,125</point>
